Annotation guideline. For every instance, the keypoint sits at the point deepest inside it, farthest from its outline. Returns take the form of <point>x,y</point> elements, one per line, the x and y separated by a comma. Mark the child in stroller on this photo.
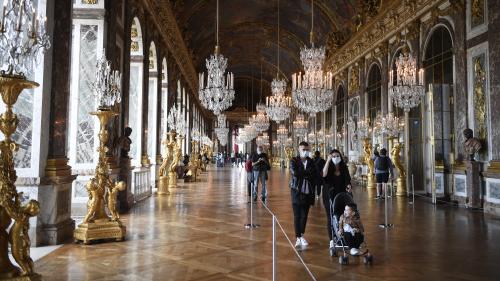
<point>347,228</point>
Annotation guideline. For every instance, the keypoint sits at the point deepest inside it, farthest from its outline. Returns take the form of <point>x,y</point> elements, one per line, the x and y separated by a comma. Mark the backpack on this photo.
<point>382,163</point>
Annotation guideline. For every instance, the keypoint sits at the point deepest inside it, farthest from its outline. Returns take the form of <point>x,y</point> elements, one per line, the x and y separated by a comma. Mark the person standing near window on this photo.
<point>260,166</point>
<point>302,184</point>
<point>337,179</point>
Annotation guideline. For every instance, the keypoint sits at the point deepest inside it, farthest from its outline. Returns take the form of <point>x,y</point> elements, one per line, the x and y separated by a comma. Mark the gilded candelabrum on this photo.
<point>167,161</point>
<point>193,165</point>
<point>97,224</point>
<point>396,159</point>
<point>176,144</point>
<point>204,151</point>
<point>369,162</point>
<point>11,207</point>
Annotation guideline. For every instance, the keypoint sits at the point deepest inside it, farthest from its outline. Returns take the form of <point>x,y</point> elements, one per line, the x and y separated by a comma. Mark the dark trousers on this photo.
<point>318,189</point>
<point>300,213</point>
<point>353,241</point>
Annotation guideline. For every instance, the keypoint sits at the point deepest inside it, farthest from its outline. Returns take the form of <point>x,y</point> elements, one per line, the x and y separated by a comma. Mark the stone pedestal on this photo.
<point>473,184</point>
<point>125,198</point>
<point>53,225</point>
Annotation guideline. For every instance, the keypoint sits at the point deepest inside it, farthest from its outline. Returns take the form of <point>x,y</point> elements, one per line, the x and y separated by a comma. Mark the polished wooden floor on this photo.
<point>197,233</point>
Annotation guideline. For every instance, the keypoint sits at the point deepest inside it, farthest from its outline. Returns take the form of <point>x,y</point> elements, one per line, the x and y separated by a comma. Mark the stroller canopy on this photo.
<point>339,203</point>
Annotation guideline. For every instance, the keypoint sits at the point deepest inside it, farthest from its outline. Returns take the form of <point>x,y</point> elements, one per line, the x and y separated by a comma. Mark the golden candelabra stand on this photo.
<point>203,165</point>
<point>175,143</point>
<point>97,225</point>
<point>167,161</point>
<point>370,178</point>
<point>401,180</point>
<point>10,203</point>
<point>194,163</point>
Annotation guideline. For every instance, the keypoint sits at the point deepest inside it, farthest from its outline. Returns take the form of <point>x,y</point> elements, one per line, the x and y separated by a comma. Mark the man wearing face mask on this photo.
<point>302,186</point>
<point>260,166</point>
<point>337,179</point>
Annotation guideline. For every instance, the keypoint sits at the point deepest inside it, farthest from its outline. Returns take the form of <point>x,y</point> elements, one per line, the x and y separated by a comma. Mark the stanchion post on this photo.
<point>412,190</point>
<point>274,249</point>
<point>386,224</point>
<point>251,225</point>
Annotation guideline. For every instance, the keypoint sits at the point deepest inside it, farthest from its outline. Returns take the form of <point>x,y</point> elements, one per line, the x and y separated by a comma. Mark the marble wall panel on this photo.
<point>494,62</point>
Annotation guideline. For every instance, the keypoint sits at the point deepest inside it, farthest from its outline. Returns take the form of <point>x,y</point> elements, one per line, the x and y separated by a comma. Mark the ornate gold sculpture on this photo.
<point>353,80</point>
<point>97,225</point>
<point>176,157</point>
<point>370,182</point>
<point>396,159</point>
<point>193,165</point>
<point>10,203</point>
<point>167,160</point>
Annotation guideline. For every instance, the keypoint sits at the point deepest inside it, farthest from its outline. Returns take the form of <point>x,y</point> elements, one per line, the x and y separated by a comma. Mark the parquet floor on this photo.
<point>197,233</point>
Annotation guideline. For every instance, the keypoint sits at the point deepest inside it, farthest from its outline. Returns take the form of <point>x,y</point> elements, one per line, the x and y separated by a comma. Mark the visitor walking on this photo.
<point>248,169</point>
<point>337,179</point>
<point>383,167</point>
<point>319,163</point>
<point>260,166</point>
<point>303,180</point>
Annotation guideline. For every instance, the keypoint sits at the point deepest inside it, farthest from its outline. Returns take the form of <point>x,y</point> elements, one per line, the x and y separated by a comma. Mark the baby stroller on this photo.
<point>337,207</point>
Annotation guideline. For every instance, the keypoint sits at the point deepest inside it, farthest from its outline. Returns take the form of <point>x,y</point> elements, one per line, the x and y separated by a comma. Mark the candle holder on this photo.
<point>370,178</point>
<point>11,207</point>
<point>97,224</point>
<point>176,157</point>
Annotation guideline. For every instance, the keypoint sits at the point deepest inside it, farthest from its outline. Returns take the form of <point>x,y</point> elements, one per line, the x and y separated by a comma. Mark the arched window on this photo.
<point>438,65</point>
<point>164,100</point>
<point>152,103</point>
<point>374,92</point>
<point>135,91</point>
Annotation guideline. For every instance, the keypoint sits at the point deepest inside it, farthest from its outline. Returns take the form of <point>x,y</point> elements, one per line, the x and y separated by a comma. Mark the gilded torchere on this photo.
<point>176,157</point>
<point>97,225</point>
<point>167,160</point>
<point>401,180</point>
<point>11,207</point>
<point>370,182</point>
<point>194,164</point>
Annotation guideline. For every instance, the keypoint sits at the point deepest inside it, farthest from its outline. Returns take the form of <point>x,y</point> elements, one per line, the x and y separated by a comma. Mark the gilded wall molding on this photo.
<point>165,20</point>
<point>394,16</point>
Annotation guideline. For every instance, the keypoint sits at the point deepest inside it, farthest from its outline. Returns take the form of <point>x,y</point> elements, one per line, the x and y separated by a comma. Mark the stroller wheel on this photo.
<point>333,252</point>
<point>368,259</point>
<point>344,260</point>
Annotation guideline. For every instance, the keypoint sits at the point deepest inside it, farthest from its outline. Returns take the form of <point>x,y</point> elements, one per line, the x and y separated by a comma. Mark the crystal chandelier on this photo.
<point>363,130</point>
<point>250,132</point>
<point>282,133</point>
<point>22,37</point>
<point>407,93</point>
<point>278,105</point>
<point>300,126</point>
<point>205,140</point>
<point>312,91</point>
<point>388,125</point>
<point>262,140</point>
<point>221,130</point>
<point>107,85</point>
<point>218,93</point>
<point>176,121</point>
<point>260,121</point>
<point>195,134</point>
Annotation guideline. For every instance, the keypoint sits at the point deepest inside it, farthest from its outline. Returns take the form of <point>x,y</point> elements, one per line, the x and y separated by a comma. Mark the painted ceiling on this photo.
<point>248,36</point>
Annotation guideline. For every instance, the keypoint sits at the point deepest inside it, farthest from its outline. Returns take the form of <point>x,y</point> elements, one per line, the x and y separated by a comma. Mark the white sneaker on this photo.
<point>304,242</point>
<point>332,244</point>
<point>354,251</point>
<point>298,243</point>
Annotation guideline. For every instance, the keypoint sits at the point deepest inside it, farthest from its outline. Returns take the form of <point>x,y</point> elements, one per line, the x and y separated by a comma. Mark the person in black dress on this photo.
<point>336,179</point>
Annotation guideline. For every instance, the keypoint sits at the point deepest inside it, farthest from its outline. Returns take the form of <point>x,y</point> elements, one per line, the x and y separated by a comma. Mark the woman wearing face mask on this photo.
<point>337,179</point>
<point>302,185</point>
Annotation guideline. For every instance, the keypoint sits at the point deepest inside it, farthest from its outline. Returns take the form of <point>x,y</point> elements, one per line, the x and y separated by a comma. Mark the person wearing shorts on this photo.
<point>383,168</point>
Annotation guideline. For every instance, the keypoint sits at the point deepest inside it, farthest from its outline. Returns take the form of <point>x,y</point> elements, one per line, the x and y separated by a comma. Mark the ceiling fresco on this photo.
<point>248,35</point>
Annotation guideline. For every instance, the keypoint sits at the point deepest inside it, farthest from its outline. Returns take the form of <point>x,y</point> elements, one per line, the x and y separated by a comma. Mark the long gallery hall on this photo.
<point>249,140</point>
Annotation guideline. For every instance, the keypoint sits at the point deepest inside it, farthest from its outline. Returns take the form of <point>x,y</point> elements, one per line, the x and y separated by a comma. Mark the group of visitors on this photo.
<point>312,177</point>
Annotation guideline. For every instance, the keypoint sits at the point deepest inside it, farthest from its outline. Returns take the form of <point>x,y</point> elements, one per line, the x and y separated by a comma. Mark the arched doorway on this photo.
<point>438,65</point>
<point>135,91</point>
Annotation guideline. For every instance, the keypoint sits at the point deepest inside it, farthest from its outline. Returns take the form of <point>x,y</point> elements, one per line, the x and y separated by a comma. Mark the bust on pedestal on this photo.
<point>125,198</point>
<point>471,146</point>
